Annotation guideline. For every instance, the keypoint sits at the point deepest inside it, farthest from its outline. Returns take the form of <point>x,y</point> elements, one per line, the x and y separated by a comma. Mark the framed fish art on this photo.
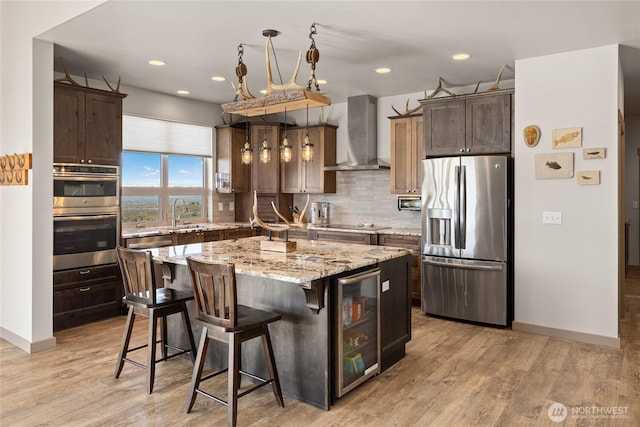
<point>588,177</point>
<point>554,165</point>
<point>566,138</point>
<point>594,153</point>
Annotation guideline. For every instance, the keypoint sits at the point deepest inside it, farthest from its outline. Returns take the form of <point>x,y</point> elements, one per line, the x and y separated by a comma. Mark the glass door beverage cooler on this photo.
<point>358,330</point>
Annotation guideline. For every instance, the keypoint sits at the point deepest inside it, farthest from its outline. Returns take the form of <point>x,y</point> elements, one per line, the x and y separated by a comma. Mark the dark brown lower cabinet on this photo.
<point>85,295</point>
<point>412,243</point>
<point>395,309</point>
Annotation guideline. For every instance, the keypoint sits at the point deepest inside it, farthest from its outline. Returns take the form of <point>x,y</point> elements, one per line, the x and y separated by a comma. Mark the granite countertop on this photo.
<point>311,260</point>
<point>182,228</point>
<point>371,229</point>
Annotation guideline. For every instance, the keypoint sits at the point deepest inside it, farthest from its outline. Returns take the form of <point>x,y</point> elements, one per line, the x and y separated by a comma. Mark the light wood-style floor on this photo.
<point>454,374</point>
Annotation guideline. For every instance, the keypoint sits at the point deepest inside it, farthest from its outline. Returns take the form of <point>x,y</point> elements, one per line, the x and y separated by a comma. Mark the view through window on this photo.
<point>153,182</point>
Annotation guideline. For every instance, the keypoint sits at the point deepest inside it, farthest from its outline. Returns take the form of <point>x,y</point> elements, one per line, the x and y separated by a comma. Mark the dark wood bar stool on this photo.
<point>145,299</point>
<point>214,288</point>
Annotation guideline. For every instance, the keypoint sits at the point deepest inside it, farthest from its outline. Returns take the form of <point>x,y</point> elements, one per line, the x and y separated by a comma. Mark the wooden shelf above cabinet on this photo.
<point>291,100</point>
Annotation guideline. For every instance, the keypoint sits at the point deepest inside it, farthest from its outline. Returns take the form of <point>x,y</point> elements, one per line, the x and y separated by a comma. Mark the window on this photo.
<point>153,183</point>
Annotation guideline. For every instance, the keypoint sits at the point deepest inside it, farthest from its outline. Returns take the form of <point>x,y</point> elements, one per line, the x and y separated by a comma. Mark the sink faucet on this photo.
<point>173,211</point>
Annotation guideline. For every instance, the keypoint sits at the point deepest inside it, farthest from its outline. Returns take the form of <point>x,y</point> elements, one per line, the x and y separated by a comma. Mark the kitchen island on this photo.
<point>301,286</point>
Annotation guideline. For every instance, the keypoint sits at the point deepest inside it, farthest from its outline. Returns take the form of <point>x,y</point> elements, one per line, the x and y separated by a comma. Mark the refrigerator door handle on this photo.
<point>463,207</point>
<point>456,209</point>
<point>463,265</point>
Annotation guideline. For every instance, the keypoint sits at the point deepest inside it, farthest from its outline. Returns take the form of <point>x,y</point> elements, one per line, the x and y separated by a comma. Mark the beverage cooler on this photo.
<point>357,330</point>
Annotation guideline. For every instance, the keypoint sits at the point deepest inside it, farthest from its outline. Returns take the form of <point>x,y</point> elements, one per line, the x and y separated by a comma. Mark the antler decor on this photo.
<point>277,245</point>
<point>407,110</point>
<point>438,89</point>
<point>68,79</point>
<point>117,89</point>
<point>291,96</point>
<point>496,84</point>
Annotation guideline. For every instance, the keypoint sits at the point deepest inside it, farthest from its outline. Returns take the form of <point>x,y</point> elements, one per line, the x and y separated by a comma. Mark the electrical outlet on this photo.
<point>232,206</point>
<point>634,204</point>
<point>552,217</point>
<point>385,286</point>
<point>220,206</point>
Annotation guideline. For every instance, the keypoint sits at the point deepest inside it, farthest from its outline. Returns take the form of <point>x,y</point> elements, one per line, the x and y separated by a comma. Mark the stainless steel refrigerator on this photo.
<point>465,238</point>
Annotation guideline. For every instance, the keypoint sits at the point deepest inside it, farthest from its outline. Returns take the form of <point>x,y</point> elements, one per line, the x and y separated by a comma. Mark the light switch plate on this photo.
<point>232,206</point>
<point>220,206</point>
<point>552,217</point>
<point>385,286</point>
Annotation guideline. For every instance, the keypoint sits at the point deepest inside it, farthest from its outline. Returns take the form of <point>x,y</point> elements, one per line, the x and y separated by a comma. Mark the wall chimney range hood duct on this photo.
<point>362,141</point>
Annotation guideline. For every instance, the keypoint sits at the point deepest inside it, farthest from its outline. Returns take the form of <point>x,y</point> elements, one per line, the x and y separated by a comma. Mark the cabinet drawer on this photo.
<point>86,276</point>
<point>188,238</point>
<point>83,304</point>
<point>346,237</point>
<point>86,296</point>
<point>213,235</point>
<point>236,233</point>
<point>401,241</point>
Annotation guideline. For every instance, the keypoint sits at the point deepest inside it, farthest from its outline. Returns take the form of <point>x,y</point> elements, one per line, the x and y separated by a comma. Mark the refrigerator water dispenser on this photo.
<point>439,226</point>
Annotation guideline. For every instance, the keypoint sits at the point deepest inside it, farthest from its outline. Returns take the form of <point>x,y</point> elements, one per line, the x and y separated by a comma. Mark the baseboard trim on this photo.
<point>27,346</point>
<point>566,334</point>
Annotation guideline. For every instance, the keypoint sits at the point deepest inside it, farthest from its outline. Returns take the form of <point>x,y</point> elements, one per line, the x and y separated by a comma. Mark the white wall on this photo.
<point>26,100</point>
<point>566,275</point>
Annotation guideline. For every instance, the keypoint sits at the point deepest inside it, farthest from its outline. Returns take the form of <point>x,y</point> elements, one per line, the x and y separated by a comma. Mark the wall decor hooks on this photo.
<point>15,169</point>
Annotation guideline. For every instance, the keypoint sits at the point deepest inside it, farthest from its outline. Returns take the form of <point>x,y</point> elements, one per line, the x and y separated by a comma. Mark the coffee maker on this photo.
<point>319,213</point>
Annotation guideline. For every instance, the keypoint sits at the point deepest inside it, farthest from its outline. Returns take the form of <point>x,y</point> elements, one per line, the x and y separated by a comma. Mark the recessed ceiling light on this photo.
<point>157,62</point>
<point>182,92</point>
<point>383,70</point>
<point>322,82</point>
<point>218,78</point>
<point>460,56</point>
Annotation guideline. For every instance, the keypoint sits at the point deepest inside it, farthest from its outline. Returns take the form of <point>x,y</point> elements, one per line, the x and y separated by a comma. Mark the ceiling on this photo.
<point>416,39</point>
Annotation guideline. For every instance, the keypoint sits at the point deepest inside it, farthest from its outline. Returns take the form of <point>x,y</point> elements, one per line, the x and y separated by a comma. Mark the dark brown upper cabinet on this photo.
<point>469,124</point>
<point>87,125</point>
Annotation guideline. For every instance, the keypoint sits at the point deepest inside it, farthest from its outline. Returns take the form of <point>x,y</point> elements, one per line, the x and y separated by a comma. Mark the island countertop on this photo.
<point>310,261</point>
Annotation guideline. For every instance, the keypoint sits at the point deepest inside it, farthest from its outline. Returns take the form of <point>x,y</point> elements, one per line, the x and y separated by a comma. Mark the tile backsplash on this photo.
<point>363,196</point>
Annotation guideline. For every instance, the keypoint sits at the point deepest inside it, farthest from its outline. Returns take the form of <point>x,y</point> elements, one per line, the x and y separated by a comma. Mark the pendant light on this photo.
<point>307,146</point>
<point>265,150</point>
<point>247,152</point>
<point>285,148</point>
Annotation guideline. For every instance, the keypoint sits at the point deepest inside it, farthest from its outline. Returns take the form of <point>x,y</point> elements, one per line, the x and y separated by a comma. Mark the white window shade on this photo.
<point>159,136</point>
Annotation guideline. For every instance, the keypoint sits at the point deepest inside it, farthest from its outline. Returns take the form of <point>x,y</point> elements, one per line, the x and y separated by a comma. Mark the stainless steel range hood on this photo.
<point>362,141</point>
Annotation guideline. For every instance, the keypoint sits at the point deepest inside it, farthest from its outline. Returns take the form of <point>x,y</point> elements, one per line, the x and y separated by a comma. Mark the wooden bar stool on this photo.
<point>214,288</point>
<point>145,299</point>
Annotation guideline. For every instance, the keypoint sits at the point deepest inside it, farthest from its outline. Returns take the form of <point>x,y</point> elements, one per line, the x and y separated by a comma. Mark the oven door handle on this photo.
<point>80,217</point>
<point>85,177</point>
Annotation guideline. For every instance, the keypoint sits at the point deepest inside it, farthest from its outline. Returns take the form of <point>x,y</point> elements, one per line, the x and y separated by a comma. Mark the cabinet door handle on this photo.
<point>83,272</point>
<point>462,150</point>
<point>84,289</point>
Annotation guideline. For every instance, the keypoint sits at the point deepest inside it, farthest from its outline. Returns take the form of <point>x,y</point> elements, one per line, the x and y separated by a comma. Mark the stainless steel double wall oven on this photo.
<point>86,215</point>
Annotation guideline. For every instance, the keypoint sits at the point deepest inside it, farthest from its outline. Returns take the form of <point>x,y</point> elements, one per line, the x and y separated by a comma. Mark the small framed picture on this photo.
<point>554,165</point>
<point>594,153</point>
<point>588,177</point>
<point>566,138</point>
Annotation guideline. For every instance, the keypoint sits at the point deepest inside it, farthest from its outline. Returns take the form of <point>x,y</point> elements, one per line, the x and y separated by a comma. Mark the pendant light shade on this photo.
<point>247,152</point>
<point>307,146</point>
<point>265,152</point>
<point>285,148</point>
